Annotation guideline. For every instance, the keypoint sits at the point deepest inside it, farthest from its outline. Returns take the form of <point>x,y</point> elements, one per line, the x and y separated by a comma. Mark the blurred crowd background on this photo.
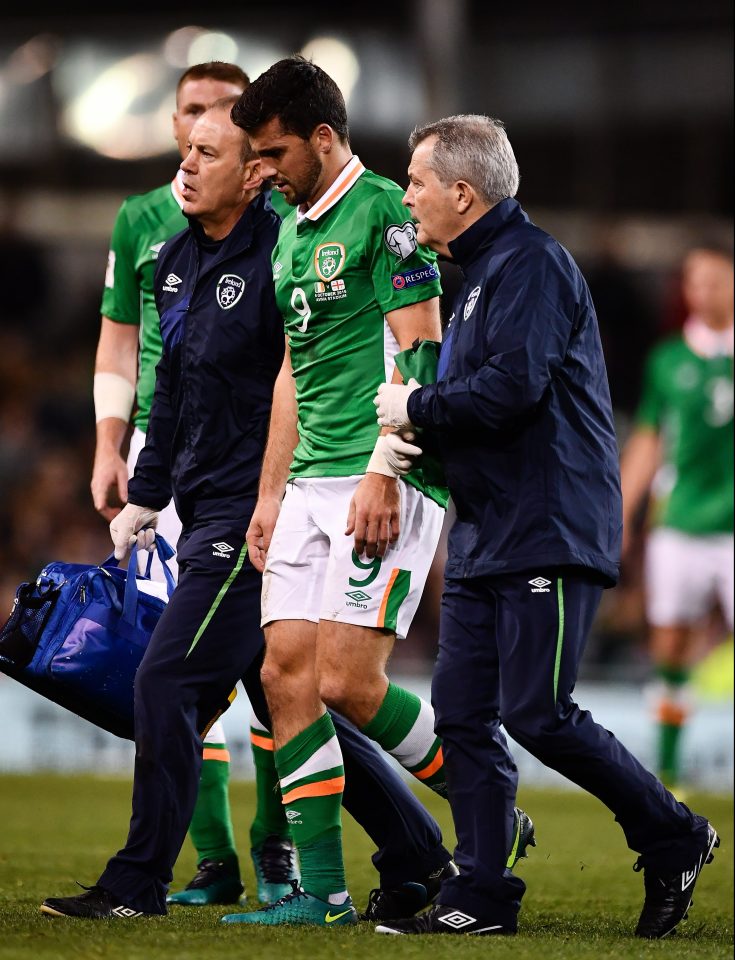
<point>621,120</point>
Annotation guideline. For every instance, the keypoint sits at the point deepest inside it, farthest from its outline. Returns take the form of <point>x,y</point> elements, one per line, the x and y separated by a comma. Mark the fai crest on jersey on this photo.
<point>400,239</point>
<point>329,259</point>
<point>229,290</point>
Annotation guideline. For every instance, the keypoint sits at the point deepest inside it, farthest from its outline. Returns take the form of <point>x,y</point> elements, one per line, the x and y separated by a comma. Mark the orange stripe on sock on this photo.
<point>323,788</point>
<point>432,767</point>
<point>384,603</point>
<point>210,753</point>
<point>265,743</point>
<point>671,714</point>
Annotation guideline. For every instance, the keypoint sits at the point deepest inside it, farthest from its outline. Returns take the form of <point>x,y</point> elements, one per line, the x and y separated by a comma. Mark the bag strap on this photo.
<point>165,552</point>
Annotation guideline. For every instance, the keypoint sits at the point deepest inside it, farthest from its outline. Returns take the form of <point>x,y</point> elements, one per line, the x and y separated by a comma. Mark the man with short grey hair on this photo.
<point>521,417</point>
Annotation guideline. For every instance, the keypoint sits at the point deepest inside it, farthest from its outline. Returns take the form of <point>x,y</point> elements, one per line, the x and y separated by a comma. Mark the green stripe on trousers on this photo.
<point>559,635</point>
<point>218,599</point>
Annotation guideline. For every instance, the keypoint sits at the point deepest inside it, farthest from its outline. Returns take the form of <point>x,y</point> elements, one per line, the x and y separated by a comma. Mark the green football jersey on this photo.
<point>689,399</point>
<point>338,270</point>
<point>143,224</point>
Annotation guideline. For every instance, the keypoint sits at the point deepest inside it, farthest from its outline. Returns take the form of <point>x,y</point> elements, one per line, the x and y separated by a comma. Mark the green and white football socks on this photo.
<point>269,817</point>
<point>211,824</point>
<point>271,848</point>
<point>404,727</point>
<point>312,779</point>
<point>672,712</point>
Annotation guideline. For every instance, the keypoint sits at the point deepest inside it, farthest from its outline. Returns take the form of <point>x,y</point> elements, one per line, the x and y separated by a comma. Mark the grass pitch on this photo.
<point>582,901</point>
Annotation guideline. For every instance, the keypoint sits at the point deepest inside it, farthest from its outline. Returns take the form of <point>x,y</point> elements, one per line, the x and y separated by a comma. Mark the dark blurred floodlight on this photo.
<point>337,58</point>
<point>177,44</point>
<point>123,112</point>
<point>213,45</point>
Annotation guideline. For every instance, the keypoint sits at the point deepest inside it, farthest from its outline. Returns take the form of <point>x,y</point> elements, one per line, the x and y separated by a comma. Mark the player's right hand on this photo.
<point>373,517</point>
<point>260,530</point>
<point>109,484</point>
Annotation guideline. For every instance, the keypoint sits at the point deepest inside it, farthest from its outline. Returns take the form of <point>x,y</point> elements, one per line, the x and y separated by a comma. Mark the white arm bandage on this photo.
<point>114,396</point>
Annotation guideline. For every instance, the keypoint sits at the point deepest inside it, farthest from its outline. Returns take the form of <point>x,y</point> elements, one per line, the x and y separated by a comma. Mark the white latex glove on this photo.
<point>394,455</point>
<point>392,401</point>
<point>131,524</point>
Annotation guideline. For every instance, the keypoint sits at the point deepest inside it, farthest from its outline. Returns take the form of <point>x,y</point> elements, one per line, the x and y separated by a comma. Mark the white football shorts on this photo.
<point>686,576</point>
<point>169,525</point>
<point>313,573</point>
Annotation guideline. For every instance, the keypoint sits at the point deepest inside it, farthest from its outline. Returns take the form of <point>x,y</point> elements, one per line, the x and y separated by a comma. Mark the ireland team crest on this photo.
<point>229,290</point>
<point>329,259</point>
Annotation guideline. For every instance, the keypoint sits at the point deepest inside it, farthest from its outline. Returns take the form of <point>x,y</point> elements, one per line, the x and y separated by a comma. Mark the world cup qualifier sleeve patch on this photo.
<point>400,239</point>
<point>412,278</point>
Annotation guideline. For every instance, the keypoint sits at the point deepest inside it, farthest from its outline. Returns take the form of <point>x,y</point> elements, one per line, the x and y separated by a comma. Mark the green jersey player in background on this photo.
<point>681,451</point>
<point>128,351</point>
<point>345,542</point>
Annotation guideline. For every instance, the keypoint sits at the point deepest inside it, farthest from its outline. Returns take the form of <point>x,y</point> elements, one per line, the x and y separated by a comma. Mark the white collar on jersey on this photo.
<point>346,179</point>
<point>176,184</point>
<point>707,342</point>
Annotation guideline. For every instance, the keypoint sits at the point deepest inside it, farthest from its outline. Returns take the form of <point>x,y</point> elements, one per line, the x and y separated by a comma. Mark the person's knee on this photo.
<point>155,682</point>
<point>273,675</point>
<point>532,729</point>
<point>282,672</point>
<point>335,692</point>
<point>443,697</point>
<point>358,698</point>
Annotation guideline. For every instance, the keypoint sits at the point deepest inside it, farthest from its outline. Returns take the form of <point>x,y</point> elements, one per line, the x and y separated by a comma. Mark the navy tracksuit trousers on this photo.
<point>207,639</point>
<point>509,652</point>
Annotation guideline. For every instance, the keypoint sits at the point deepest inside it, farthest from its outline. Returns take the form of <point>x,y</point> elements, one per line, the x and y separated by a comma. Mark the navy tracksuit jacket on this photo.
<point>223,346</point>
<point>522,419</point>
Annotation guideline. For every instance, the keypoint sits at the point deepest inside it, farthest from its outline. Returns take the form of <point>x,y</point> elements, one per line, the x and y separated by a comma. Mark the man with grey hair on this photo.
<point>521,418</point>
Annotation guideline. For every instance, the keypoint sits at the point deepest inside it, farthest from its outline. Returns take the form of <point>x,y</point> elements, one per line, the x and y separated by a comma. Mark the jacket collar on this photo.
<point>241,235</point>
<point>474,241</point>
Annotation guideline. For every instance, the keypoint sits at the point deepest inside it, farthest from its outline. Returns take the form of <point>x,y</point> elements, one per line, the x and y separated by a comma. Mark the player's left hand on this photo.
<point>374,515</point>
<point>392,402</point>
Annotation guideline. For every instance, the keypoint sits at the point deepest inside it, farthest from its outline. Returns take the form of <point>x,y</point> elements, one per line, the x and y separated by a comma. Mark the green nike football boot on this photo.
<point>300,908</point>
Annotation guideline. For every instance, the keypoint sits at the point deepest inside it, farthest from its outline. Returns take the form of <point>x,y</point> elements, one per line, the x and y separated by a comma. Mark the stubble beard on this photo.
<point>306,187</point>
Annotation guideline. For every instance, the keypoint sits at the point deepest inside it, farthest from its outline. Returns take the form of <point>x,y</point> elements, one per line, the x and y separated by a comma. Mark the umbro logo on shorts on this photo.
<point>222,549</point>
<point>540,585</point>
<point>358,598</point>
<point>293,816</point>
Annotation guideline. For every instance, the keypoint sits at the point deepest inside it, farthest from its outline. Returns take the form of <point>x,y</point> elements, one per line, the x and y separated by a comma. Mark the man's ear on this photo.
<point>464,196</point>
<point>323,138</point>
<point>251,178</point>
